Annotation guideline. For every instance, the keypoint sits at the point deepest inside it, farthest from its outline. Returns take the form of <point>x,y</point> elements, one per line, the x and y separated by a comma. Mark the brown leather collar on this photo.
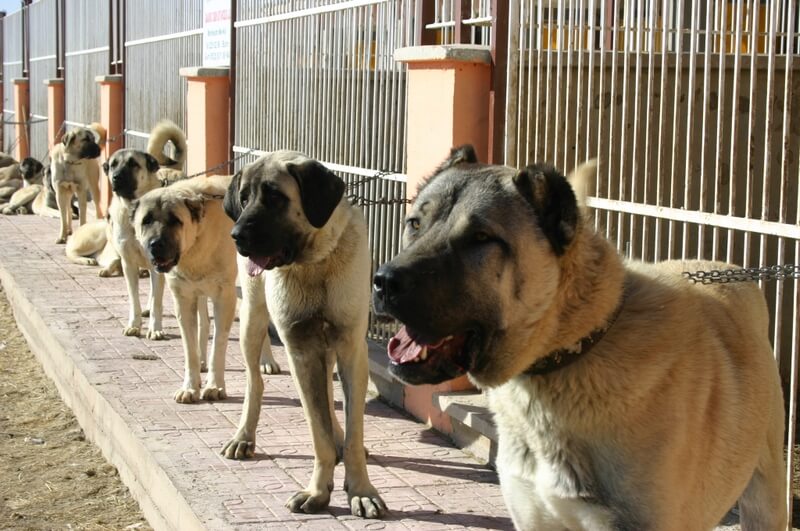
<point>566,356</point>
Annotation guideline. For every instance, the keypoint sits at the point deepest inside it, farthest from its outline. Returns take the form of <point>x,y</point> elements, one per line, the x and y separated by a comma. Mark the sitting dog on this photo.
<point>624,396</point>
<point>133,173</point>
<point>75,172</point>
<point>21,201</point>
<point>295,228</point>
<point>91,245</point>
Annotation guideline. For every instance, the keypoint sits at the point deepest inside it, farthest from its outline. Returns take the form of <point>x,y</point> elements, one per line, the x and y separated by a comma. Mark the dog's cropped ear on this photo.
<point>231,203</point>
<point>67,138</point>
<point>458,155</point>
<point>552,200</point>
<point>320,190</point>
<point>196,208</point>
<point>152,163</point>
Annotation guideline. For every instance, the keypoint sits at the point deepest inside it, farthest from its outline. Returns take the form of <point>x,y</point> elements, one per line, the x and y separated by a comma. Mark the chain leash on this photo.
<point>748,274</point>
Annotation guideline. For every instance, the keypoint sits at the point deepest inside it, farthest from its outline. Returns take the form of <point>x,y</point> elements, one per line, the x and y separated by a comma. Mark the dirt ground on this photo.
<point>53,478</point>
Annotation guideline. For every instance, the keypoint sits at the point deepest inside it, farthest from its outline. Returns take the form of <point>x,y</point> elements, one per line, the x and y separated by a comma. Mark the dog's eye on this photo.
<point>413,224</point>
<point>147,220</point>
<point>481,236</point>
<point>243,201</point>
<point>174,220</point>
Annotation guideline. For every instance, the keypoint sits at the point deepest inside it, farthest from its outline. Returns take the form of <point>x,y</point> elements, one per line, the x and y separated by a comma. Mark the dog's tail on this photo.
<point>167,131</point>
<point>583,180</point>
<point>101,135</point>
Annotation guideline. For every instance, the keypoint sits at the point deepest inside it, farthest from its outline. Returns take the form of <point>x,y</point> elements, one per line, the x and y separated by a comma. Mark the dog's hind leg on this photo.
<point>268,363</point>
<point>224,310</point>
<point>352,364</point>
<point>762,506</point>
<point>63,198</point>
<point>202,332</point>
<point>81,206</point>
<point>154,330</point>
<point>310,371</point>
<point>252,335</point>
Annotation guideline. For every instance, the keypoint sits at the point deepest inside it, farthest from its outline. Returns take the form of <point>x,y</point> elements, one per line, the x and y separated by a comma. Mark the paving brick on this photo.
<point>169,453</point>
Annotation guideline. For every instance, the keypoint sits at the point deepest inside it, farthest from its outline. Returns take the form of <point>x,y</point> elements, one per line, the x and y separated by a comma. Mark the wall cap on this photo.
<point>460,53</point>
<point>112,78</point>
<point>20,80</point>
<point>54,81</point>
<point>205,71</point>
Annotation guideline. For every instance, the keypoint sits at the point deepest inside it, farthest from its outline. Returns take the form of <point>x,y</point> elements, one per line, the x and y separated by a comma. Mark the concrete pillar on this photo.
<point>207,114</point>
<point>55,110</point>
<point>22,111</point>
<point>451,83</point>
<point>111,111</point>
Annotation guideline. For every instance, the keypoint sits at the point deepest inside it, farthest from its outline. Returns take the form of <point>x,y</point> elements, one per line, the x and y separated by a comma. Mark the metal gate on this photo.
<point>12,69</point>
<point>86,56</point>
<point>691,107</point>
<point>42,17</point>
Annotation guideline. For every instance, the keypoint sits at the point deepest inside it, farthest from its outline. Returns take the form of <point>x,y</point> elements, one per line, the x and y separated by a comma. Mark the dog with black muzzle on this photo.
<point>75,172</point>
<point>133,173</point>
<point>305,264</point>
<point>624,396</point>
<point>32,173</point>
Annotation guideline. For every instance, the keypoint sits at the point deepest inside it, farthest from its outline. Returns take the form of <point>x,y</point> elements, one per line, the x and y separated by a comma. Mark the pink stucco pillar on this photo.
<point>207,116</point>
<point>111,118</point>
<point>55,110</point>
<point>22,111</point>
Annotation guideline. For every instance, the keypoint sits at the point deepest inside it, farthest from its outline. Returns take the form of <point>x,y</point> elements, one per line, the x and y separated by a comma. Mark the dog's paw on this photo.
<point>107,272</point>
<point>131,331</point>
<point>305,502</point>
<point>366,503</point>
<point>144,273</point>
<point>156,335</point>
<point>238,449</point>
<point>213,393</point>
<point>203,366</point>
<point>270,367</point>
<point>60,241</point>
<point>87,261</point>
<point>186,396</point>
<point>145,313</point>
<point>23,211</point>
<point>8,211</point>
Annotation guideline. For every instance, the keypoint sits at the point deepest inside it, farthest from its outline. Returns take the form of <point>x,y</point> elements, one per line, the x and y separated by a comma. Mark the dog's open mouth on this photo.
<point>164,265</point>
<point>257,264</point>
<point>408,349</point>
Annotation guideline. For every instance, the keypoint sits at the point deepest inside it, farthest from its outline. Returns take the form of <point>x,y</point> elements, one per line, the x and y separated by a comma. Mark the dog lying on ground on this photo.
<point>21,201</point>
<point>6,160</point>
<point>75,172</point>
<point>91,245</point>
<point>133,173</point>
<point>295,228</point>
<point>624,396</point>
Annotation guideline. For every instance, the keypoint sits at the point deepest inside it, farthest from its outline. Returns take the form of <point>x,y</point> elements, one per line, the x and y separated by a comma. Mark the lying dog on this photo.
<point>133,173</point>
<point>624,396</point>
<point>21,201</point>
<point>91,245</point>
<point>6,160</point>
<point>186,236</point>
<point>75,172</point>
<point>295,228</point>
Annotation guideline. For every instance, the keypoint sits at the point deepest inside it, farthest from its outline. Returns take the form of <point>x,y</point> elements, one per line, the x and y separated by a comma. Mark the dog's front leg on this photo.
<point>310,370</point>
<point>63,199</point>
<point>224,310</point>
<point>202,331</point>
<point>82,205</point>
<point>155,304</point>
<point>364,498</point>
<point>186,312</point>
<point>131,273</point>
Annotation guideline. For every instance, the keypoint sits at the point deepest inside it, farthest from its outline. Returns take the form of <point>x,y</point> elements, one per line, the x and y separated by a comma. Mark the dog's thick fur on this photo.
<point>21,201</point>
<point>133,173</point>
<point>6,160</point>
<point>91,245</point>
<point>299,237</point>
<point>75,172</point>
<point>669,419</point>
<point>186,235</point>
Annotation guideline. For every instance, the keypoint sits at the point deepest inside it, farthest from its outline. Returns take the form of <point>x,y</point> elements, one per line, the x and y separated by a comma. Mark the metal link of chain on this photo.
<point>751,274</point>
<point>358,200</point>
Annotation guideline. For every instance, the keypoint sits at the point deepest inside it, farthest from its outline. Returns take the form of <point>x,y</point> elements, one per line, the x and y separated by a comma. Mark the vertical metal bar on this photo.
<point>424,14</point>
<point>705,126</point>
<point>569,27</point>
<point>661,154</point>
<point>649,127</point>
<point>590,149</point>
<point>676,121</point>
<point>2,77</point>
<point>734,127</point>
<point>499,44</point>
<point>461,11</point>
<point>688,169</point>
<point>542,45</point>
<point>792,393</point>
<point>231,87</point>
<point>635,170</point>
<point>771,101</point>
<point>559,71</point>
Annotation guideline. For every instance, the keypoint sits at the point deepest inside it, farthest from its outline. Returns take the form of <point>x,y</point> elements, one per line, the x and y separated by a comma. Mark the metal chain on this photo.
<point>751,274</point>
<point>361,201</point>
<point>25,122</point>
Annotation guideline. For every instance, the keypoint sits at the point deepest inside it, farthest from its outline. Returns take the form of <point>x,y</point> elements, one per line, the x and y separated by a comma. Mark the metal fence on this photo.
<point>691,108</point>
<point>12,69</point>
<point>86,56</point>
<point>42,16</point>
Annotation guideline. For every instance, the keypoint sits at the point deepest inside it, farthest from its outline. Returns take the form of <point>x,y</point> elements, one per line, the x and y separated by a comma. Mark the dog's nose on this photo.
<point>157,247</point>
<point>236,232</point>
<point>390,282</point>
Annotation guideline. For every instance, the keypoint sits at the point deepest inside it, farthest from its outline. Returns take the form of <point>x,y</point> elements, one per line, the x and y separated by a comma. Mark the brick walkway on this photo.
<point>168,453</point>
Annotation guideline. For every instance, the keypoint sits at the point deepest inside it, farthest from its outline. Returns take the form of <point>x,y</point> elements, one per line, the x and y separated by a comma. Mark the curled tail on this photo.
<point>167,131</point>
<point>582,180</point>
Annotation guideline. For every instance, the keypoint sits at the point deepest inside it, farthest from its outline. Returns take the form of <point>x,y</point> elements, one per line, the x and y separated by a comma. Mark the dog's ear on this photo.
<point>231,203</point>
<point>552,200</point>
<point>105,167</point>
<point>37,166</point>
<point>67,138</point>
<point>196,208</point>
<point>320,190</point>
<point>458,155</point>
<point>151,162</point>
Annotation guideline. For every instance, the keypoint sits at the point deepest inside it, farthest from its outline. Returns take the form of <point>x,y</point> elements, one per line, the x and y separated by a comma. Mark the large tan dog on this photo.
<point>75,172</point>
<point>91,245</point>
<point>133,173</point>
<point>625,397</point>
<point>186,236</point>
<point>296,230</point>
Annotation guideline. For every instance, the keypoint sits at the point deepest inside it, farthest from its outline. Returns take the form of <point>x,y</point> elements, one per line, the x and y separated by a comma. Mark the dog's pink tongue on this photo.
<point>256,265</point>
<point>402,348</point>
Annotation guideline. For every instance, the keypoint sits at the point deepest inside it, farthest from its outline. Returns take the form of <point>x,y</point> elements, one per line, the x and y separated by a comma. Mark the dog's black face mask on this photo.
<point>30,168</point>
<point>123,171</point>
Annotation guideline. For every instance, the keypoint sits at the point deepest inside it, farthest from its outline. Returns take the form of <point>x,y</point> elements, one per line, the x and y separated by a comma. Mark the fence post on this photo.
<point>22,107</point>
<point>55,111</point>
<point>111,119</point>
<point>207,118</point>
<point>451,83</point>
<point>2,79</point>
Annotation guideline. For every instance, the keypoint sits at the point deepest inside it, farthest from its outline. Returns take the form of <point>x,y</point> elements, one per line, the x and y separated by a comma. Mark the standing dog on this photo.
<point>133,173</point>
<point>75,172</point>
<point>295,228</point>
<point>625,397</point>
<point>186,236</point>
<point>21,201</point>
